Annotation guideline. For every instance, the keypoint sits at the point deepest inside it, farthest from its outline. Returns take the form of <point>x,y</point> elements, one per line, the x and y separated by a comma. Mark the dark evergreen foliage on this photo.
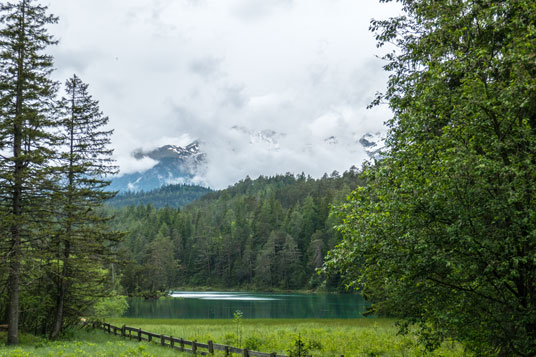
<point>268,233</point>
<point>82,243</point>
<point>26,137</point>
<point>175,196</point>
<point>54,241</point>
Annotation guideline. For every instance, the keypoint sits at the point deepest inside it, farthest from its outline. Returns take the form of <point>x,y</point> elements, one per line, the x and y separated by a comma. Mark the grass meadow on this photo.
<point>79,342</point>
<point>322,337</point>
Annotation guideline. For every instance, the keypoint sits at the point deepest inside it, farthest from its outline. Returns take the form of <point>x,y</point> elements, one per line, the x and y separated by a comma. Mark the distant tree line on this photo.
<point>54,240</point>
<point>176,196</point>
<point>268,233</point>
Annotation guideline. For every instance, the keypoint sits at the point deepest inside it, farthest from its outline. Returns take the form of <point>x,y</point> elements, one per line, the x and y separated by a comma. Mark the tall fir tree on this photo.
<point>84,243</point>
<point>26,101</point>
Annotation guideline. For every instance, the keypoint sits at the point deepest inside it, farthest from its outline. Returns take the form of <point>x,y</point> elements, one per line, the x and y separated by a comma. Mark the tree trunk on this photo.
<point>65,274</point>
<point>60,303</point>
<point>15,254</point>
<point>58,320</point>
<point>13,291</point>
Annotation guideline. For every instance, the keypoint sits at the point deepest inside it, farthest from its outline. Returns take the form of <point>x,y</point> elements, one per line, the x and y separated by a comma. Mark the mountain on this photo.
<point>268,138</point>
<point>176,196</point>
<point>175,165</point>
<point>190,153</point>
<point>271,140</point>
<point>187,165</point>
<point>373,144</point>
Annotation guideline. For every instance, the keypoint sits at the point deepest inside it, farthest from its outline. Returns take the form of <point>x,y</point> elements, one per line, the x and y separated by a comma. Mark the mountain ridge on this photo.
<point>188,165</point>
<point>175,165</point>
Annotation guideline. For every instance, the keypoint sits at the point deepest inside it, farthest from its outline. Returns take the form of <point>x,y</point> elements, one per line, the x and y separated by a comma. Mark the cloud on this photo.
<point>253,10</point>
<point>233,96</point>
<point>170,71</point>
<point>206,67</point>
<point>130,166</point>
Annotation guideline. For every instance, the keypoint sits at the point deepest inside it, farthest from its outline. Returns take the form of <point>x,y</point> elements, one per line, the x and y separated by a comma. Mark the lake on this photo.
<point>222,305</point>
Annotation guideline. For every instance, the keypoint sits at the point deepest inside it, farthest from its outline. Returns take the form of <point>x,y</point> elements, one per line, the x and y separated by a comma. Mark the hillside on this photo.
<point>176,196</point>
<point>267,233</point>
<point>173,165</point>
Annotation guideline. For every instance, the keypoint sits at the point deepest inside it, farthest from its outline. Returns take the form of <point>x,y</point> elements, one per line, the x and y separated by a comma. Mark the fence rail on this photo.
<point>179,344</point>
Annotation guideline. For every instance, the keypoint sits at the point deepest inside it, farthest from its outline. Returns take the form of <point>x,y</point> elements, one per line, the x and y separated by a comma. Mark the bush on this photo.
<point>253,343</point>
<point>298,348</point>
<point>113,306</point>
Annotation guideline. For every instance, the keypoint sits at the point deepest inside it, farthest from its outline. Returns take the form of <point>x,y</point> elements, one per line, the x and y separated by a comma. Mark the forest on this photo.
<point>176,196</point>
<point>263,234</point>
<point>439,234</point>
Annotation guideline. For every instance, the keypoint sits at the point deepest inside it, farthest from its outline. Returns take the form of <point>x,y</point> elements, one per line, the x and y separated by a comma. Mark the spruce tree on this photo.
<point>83,243</point>
<point>26,97</point>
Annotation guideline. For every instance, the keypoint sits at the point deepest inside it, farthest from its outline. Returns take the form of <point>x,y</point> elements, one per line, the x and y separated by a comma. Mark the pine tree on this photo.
<point>26,97</point>
<point>83,242</point>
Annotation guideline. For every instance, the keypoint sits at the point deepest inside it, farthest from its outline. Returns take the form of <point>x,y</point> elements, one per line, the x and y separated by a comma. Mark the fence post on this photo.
<point>139,334</point>
<point>123,331</point>
<point>149,337</point>
<point>210,347</point>
<point>108,329</point>
<point>245,352</point>
<point>171,342</point>
<point>182,344</point>
<point>162,340</point>
<point>194,347</point>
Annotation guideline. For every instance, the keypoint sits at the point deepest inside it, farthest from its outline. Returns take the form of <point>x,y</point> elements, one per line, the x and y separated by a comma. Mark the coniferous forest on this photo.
<point>176,196</point>
<point>263,234</point>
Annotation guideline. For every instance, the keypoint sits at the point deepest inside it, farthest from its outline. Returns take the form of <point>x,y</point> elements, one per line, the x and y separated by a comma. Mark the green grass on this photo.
<point>81,343</point>
<point>324,337</point>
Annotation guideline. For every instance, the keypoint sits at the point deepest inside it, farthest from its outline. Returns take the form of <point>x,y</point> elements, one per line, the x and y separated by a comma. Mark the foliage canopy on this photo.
<point>268,233</point>
<point>26,136</point>
<point>54,159</point>
<point>444,234</point>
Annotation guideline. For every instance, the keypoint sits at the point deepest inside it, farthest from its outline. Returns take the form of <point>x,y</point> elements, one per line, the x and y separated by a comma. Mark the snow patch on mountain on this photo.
<point>189,164</point>
<point>174,165</point>
<point>269,138</point>
<point>374,144</point>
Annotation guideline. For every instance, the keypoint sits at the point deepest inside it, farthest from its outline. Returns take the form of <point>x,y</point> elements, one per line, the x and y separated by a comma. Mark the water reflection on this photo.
<point>221,296</point>
<point>222,305</point>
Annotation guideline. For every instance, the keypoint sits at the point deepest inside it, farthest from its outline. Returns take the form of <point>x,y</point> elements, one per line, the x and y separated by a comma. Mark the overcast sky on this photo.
<point>222,71</point>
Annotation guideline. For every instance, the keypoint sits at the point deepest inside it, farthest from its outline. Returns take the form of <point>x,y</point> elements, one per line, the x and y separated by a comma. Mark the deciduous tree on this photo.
<point>444,233</point>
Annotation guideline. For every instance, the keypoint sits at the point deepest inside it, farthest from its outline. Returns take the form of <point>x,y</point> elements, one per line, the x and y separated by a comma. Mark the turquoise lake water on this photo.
<point>222,305</point>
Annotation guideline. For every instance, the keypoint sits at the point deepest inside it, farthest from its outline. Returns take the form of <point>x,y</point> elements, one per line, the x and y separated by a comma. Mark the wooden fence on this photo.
<point>177,343</point>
